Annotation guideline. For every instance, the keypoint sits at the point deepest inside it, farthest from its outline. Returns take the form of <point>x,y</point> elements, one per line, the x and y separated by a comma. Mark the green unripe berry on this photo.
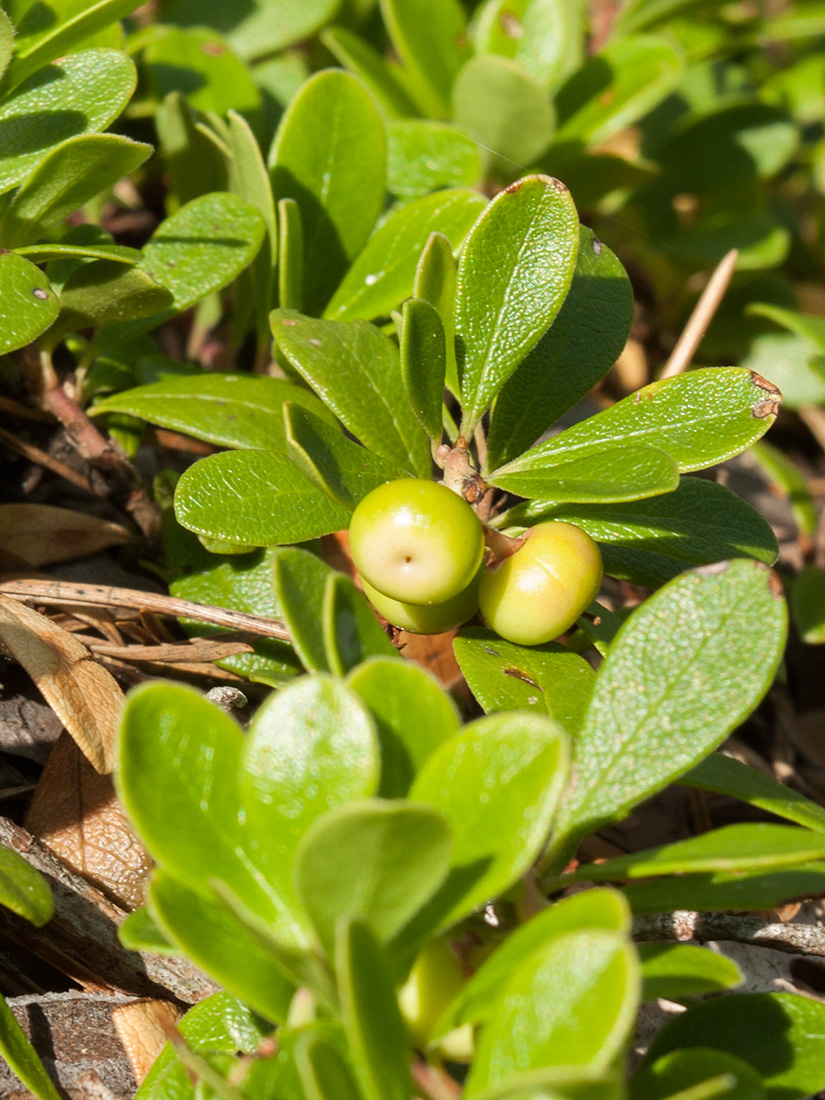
<point>427,618</point>
<point>416,541</point>
<point>539,591</point>
<point>434,982</point>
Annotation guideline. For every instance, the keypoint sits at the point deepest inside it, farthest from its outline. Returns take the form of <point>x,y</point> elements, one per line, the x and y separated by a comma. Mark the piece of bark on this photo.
<point>75,812</point>
<point>84,695</point>
<point>81,938</point>
<point>28,726</point>
<point>75,1036</point>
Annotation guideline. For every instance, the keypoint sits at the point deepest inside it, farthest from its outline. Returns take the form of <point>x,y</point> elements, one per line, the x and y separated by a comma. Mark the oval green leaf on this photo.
<point>28,305</point>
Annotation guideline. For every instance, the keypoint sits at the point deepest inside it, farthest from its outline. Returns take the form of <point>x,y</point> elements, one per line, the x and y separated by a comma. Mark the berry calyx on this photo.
<point>416,541</point>
<point>538,592</point>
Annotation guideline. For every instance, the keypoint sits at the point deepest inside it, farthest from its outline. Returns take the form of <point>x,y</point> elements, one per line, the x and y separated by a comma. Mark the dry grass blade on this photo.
<point>701,317</point>
<point>97,595</point>
<point>84,696</point>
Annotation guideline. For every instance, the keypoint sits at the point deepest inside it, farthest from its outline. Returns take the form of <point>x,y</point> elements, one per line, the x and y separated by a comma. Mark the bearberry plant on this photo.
<point>383,876</point>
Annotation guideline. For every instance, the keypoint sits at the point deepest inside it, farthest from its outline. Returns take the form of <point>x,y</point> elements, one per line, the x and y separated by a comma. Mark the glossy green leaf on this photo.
<point>653,540</point>
<point>350,628</point>
<point>580,346</point>
<point>383,275</point>
<point>106,292</point>
<point>430,37</point>
<point>498,104</point>
<point>724,775</point>
<point>724,890</point>
<point>425,156</point>
<point>239,582</point>
<point>203,246</point>
<point>70,175</point>
<point>324,1073</point>
<point>218,1023</point>
<point>300,580</point>
<point>513,275</point>
<point>479,997</point>
<point>519,761</point>
<point>675,970</point>
<point>699,419</point>
<point>230,410</point>
<point>77,95</point>
<point>697,1072</point>
<point>423,363</point>
<point>344,470</point>
<point>378,73</point>
<point>6,41</point>
<point>330,157</point>
<point>28,306</point>
<point>179,761</point>
<point>547,679</point>
<point>201,63</point>
<point>604,474</point>
<point>60,36</point>
<point>743,847</point>
<point>19,1054</point>
<point>616,87</point>
<point>807,600</point>
<point>260,498</point>
<point>215,940</point>
<point>752,140</point>
<point>786,476</point>
<point>695,658</point>
<point>258,27</point>
<point>139,932</point>
<point>290,254</point>
<point>572,1002</point>
<point>544,37</point>
<point>311,747</point>
<point>249,179</point>
<point>412,713</point>
<point>376,1035</point>
<point>23,889</point>
<point>397,857</point>
<point>435,279</point>
<point>779,1034</point>
<point>66,250</point>
<point>355,369</point>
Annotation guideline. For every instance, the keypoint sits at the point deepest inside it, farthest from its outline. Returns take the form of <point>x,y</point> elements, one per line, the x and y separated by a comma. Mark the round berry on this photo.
<point>416,541</point>
<point>539,591</point>
<point>427,618</point>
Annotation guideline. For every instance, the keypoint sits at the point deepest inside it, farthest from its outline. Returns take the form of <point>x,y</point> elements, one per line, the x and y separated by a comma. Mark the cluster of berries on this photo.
<point>419,548</point>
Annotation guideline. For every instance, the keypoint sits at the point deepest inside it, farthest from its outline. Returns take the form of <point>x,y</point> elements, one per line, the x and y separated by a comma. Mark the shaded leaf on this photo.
<point>21,1056</point>
<point>580,346</point>
<point>329,156</point>
<point>259,27</point>
<point>383,274</point>
<point>106,292</point>
<point>430,37</point>
<point>23,889</point>
<point>544,37</point>
<point>300,580</point>
<point>351,630</point>
<point>231,410</point>
<point>779,1034</point>
<point>423,363</point>
<point>424,156</point>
